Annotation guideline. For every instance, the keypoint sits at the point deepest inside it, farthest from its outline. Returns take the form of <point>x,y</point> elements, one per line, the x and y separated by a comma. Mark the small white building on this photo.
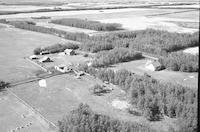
<point>153,65</point>
<point>69,52</point>
<point>63,68</point>
<point>45,59</point>
<point>33,57</point>
<point>44,52</point>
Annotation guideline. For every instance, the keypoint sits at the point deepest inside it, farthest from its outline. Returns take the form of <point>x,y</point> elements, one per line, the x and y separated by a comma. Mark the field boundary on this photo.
<point>37,113</point>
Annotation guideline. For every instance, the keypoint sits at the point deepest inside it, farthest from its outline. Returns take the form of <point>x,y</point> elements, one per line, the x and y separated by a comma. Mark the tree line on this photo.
<point>154,98</point>
<point>28,25</point>
<point>87,24</point>
<point>56,48</point>
<point>116,55</point>
<point>179,61</point>
<point>84,119</point>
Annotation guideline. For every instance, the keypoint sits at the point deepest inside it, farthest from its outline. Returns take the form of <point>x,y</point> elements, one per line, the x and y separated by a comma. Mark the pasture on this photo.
<point>17,44</point>
<point>16,116</point>
<point>182,78</point>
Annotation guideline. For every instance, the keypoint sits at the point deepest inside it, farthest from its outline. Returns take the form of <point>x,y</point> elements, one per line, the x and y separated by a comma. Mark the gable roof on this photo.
<point>156,64</point>
<point>68,50</point>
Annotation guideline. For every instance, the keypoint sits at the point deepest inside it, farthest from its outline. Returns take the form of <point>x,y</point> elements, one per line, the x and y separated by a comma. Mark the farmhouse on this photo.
<point>33,57</point>
<point>153,65</point>
<point>45,59</point>
<point>69,52</point>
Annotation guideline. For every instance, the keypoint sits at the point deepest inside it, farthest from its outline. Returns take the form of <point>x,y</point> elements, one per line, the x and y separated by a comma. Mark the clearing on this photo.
<point>193,50</point>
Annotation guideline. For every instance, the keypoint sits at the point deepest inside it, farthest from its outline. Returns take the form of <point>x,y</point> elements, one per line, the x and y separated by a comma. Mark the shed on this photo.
<point>32,57</point>
<point>45,59</point>
<point>44,52</point>
<point>153,65</point>
<point>63,68</point>
<point>69,52</point>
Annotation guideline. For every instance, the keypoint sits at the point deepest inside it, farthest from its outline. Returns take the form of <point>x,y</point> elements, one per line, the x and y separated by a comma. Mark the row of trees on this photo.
<point>56,48</point>
<point>83,119</point>
<point>154,98</point>
<point>116,55</point>
<point>93,25</point>
<point>32,27</point>
<point>179,61</point>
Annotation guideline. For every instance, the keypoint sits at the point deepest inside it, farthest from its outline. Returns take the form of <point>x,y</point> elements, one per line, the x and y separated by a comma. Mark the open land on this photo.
<point>64,92</point>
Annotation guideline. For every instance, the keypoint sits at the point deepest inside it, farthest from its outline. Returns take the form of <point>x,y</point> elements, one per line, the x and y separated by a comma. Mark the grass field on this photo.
<point>138,67</point>
<point>12,116</point>
<point>64,92</point>
<point>16,44</point>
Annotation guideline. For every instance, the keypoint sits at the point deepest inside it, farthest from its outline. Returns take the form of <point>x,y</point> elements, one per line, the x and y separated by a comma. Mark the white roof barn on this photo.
<point>153,65</point>
<point>69,52</point>
<point>33,57</point>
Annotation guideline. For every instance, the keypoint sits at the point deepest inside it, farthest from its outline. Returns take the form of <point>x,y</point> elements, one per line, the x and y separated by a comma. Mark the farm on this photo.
<point>101,62</point>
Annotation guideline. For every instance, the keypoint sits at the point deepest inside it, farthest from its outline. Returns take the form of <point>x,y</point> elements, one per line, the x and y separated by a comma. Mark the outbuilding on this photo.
<point>45,59</point>
<point>69,52</point>
<point>33,57</point>
<point>153,65</point>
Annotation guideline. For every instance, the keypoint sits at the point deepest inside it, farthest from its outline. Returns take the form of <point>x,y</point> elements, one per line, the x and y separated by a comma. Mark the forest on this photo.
<point>87,24</point>
<point>116,55</point>
<point>56,48</point>
<point>154,98</point>
<point>84,119</point>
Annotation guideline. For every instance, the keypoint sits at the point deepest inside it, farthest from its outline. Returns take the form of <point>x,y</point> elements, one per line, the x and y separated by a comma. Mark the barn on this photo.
<point>45,59</point>
<point>69,52</point>
<point>153,65</point>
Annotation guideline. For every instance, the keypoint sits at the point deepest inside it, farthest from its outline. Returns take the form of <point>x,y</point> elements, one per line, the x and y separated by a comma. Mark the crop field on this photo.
<point>138,67</point>
<point>17,44</point>
<point>65,28</point>
<point>16,115</point>
<point>131,19</point>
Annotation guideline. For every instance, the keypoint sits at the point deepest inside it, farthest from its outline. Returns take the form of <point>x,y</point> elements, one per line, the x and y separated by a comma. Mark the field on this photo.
<point>16,115</point>
<point>138,67</point>
<point>17,44</point>
<point>65,92</point>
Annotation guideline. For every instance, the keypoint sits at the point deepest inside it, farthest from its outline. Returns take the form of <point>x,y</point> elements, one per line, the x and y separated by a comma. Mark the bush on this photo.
<point>3,85</point>
<point>85,55</point>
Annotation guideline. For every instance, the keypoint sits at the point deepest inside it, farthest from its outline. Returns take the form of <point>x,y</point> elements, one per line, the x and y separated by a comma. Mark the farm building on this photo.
<point>69,52</point>
<point>32,57</point>
<point>153,65</point>
<point>44,52</point>
<point>45,59</point>
<point>63,68</point>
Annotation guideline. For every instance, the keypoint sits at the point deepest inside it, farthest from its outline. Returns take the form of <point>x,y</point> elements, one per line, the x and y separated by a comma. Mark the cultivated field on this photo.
<point>138,67</point>
<point>16,116</point>
<point>17,44</point>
